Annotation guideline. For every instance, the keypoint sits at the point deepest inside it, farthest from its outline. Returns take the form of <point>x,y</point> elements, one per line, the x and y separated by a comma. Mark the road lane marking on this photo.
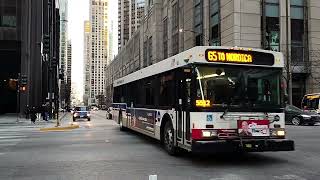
<point>12,137</point>
<point>153,177</point>
<point>289,177</point>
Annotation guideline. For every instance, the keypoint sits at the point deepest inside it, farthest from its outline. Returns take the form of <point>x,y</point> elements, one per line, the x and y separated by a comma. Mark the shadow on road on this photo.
<point>217,159</point>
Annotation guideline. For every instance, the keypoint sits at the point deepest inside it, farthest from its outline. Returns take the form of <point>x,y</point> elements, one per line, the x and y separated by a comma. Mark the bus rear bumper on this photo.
<point>244,145</point>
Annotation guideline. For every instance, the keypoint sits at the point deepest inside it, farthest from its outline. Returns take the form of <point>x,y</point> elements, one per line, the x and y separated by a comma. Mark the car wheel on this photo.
<point>296,121</point>
<point>89,119</point>
<point>311,124</point>
<point>74,119</point>
<point>169,139</point>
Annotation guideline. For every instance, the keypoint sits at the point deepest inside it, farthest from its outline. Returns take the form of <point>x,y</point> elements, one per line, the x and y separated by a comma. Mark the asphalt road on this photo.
<point>98,150</point>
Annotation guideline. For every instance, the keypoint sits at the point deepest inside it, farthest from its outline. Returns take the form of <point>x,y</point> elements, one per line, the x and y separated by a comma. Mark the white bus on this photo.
<point>310,102</point>
<point>208,99</point>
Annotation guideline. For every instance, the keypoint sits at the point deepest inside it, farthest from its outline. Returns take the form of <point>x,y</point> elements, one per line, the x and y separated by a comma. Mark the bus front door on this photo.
<point>183,106</point>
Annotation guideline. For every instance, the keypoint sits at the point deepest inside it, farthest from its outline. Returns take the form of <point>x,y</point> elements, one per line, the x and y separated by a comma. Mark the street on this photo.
<point>98,150</point>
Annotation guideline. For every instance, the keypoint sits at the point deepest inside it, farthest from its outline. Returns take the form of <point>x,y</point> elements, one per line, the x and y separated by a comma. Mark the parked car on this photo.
<point>296,116</point>
<point>81,112</point>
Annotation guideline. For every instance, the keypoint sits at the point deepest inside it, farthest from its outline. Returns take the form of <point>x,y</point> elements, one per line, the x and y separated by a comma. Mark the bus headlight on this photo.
<point>278,132</point>
<point>209,133</point>
<point>281,133</point>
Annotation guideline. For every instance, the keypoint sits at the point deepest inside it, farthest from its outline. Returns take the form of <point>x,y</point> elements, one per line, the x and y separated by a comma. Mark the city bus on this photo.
<point>208,100</point>
<point>310,102</point>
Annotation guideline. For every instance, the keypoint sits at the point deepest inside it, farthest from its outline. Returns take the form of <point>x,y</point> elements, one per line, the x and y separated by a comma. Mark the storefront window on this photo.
<point>215,22</point>
<point>270,25</point>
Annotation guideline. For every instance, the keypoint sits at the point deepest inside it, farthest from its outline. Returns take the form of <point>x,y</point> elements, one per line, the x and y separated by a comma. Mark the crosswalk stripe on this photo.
<point>10,140</point>
<point>11,136</point>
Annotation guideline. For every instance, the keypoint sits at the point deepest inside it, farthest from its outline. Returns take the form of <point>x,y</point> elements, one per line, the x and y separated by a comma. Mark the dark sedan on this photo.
<point>298,117</point>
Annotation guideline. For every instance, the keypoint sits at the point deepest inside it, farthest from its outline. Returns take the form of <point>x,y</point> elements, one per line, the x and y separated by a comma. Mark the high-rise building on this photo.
<point>63,50</point>
<point>68,72</point>
<point>99,48</point>
<point>171,27</point>
<point>86,62</point>
<point>110,41</point>
<point>130,13</point>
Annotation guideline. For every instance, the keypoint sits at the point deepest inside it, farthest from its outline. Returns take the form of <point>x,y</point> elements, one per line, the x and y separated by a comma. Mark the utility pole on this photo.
<point>289,74</point>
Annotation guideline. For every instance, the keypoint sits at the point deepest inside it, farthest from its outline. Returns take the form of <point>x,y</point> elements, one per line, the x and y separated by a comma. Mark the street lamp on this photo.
<point>187,30</point>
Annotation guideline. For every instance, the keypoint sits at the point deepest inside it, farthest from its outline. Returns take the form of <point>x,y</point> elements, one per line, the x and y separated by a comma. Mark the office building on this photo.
<point>130,13</point>
<point>23,25</point>
<point>99,48</point>
<point>174,26</point>
<point>86,62</point>
<point>68,72</point>
<point>63,50</point>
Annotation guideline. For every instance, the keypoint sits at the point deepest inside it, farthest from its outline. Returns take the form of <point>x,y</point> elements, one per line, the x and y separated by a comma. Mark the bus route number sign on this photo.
<point>219,56</point>
<point>239,57</point>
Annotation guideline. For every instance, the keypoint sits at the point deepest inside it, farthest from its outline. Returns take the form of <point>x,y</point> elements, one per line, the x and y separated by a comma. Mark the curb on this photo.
<point>60,128</point>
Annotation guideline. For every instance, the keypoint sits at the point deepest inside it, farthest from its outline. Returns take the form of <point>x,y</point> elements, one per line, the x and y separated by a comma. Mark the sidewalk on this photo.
<point>12,119</point>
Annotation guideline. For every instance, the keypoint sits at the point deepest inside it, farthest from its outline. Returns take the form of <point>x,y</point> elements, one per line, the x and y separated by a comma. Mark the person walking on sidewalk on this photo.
<point>27,112</point>
<point>44,112</point>
<point>33,115</point>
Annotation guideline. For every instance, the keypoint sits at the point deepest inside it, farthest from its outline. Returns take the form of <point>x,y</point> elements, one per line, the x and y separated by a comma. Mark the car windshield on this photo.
<point>293,108</point>
<point>81,109</point>
<point>239,86</point>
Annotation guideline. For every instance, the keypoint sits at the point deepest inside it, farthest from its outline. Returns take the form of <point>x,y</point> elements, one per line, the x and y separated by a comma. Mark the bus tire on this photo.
<point>168,139</point>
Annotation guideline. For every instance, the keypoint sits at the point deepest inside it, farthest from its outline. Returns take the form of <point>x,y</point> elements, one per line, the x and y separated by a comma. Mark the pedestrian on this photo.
<point>27,112</point>
<point>33,115</point>
<point>46,111</point>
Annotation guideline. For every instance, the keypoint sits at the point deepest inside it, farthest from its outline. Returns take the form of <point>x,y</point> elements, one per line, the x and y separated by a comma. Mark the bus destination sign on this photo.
<point>239,57</point>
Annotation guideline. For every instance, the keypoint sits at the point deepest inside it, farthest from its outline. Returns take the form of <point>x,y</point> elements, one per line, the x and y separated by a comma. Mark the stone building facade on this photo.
<point>173,26</point>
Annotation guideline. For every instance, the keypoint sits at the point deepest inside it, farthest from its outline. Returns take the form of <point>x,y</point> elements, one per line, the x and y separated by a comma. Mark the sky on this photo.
<point>78,12</point>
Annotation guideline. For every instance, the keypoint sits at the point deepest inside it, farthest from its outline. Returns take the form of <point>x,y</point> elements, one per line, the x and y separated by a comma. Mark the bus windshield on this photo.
<point>239,87</point>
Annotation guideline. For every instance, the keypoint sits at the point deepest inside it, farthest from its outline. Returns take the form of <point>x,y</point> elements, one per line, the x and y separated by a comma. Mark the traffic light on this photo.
<point>46,44</point>
<point>24,80</point>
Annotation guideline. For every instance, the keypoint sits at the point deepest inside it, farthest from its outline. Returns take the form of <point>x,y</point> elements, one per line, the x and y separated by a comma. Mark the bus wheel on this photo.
<point>296,121</point>
<point>169,139</point>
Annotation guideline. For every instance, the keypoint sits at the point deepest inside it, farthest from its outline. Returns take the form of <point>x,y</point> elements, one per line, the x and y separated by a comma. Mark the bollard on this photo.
<point>153,177</point>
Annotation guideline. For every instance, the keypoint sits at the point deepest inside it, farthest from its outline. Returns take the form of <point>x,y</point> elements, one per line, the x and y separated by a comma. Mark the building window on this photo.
<point>165,38</point>
<point>270,25</point>
<point>215,22</point>
<point>8,21</point>
<point>145,54</point>
<point>175,27</point>
<point>297,30</point>
<point>150,50</point>
<point>198,22</point>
